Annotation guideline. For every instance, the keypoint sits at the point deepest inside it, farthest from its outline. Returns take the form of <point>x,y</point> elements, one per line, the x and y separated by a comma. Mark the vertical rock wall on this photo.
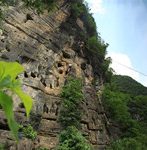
<point>46,51</point>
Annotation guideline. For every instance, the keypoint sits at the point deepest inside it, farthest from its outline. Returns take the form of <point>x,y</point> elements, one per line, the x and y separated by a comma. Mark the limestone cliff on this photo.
<point>49,54</point>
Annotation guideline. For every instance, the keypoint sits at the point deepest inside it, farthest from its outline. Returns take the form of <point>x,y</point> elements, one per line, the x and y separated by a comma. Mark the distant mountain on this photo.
<point>128,85</point>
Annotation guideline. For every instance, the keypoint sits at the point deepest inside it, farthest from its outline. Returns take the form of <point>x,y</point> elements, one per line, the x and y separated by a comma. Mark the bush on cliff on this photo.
<point>70,114</point>
<point>70,117</point>
<point>72,139</point>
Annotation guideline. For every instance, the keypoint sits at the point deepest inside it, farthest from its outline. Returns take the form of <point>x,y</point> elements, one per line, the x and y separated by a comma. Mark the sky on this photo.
<point>123,25</point>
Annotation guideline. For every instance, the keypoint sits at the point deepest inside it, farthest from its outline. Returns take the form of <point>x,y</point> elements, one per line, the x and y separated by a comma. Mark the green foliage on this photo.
<point>73,90</point>
<point>77,9</point>
<point>108,72</point>
<point>128,85</point>
<point>72,139</point>
<point>81,10</point>
<point>127,144</point>
<point>40,5</point>
<point>116,105</point>
<point>8,83</point>
<point>7,104</point>
<point>128,111</point>
<point>138,108</point>
<point>97,47</point>
<point>4,3</point>
<point>2,146</point>
<point>70,114</point>
<point>96,51</point>
<point>28,132</point>
<point>90,25</point>
<point>70,117</point>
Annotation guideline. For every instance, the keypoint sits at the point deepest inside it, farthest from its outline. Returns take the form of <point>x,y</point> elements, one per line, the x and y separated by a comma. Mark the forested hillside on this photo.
<point>125,102</point>
<point>128,85</point>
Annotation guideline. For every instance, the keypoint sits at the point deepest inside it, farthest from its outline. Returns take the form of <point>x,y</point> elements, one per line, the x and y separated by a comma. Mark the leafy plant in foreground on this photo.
<point>10,85</point>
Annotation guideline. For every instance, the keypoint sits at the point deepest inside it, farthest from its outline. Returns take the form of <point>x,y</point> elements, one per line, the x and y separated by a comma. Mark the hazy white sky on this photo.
<point>123,24</point>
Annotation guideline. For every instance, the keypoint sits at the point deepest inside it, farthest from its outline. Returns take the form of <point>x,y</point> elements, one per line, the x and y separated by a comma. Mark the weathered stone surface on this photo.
<point>49,127</point>
<point>47,142</point>
<point>68,53</point>
<point>80,23</point>
<point>25,144</point>
<point>94,122</point>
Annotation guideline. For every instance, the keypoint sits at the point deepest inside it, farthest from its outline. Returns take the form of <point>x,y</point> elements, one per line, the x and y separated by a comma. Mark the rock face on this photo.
<point>46,51</point>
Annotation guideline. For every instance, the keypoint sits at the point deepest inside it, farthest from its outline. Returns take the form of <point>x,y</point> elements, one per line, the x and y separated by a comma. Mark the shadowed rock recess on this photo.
<point>42,44</point>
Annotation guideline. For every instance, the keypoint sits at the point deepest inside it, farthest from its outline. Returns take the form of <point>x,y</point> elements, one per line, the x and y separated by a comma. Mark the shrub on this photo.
<point>70,117</point>
<point>81,10</point>
<point>28,132</point>
<point>40,5</point>
<point>70,114</point>
<point>97,47</point>
<point>126,144</point>
<point>90,25</point>
<point>77,9</point>
<point>138,108</point>
<point>72,139</point>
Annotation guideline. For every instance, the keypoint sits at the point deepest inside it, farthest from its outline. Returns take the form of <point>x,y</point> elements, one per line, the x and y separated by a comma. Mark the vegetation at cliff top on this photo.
<point>95,48</point>
<point>38,5</point>
<point>127,111</point>
<point>10,85</point>
<point>70,116</point>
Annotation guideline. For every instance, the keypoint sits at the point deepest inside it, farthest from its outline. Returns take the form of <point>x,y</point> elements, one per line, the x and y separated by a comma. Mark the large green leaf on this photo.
<point>26,99</point>
<point>7,104</point>
<point>11,69</point>
<point>5,82</point>
<point>1,70</point>
<point>8,74</point>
